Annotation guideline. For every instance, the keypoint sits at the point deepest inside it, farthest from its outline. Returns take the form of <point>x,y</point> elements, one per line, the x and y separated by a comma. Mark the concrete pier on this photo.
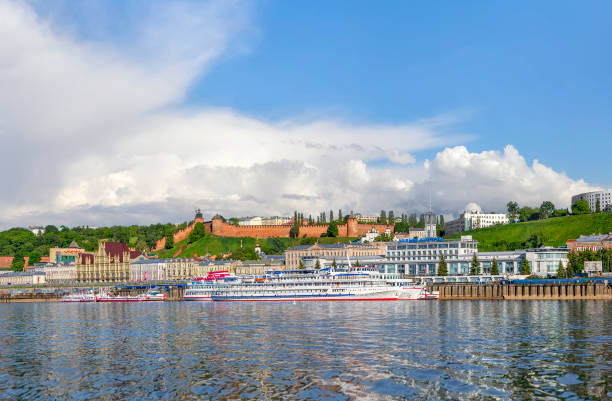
<point>523,291</point>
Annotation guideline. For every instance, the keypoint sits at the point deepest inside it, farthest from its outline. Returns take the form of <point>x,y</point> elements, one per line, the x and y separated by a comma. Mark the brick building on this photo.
<point>592,242</point>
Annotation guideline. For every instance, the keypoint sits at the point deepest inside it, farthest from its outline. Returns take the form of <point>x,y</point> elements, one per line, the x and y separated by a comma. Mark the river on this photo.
<point>312,350</point>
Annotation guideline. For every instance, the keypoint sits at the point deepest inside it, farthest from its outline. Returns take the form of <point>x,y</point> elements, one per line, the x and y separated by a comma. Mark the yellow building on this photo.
<point>110,263</point>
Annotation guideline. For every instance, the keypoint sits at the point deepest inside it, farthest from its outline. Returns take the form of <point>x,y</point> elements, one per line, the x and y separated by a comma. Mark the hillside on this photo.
<point>550,232</point>
<point>214,245</point>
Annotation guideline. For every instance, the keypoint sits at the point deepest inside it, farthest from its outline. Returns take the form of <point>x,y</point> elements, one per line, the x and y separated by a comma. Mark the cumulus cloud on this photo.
<point>93,132</point>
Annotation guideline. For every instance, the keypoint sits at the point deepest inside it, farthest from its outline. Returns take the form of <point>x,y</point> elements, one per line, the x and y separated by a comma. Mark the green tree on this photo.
<point>340,217</point>
<point>569,271</point>
<point>534,241</point>
<point>528,214</point>
<point>198,232</point>
<point>18,263</point>
<point>383,217</point>
<point>581,206</point>
<point>401,227</point>
<point>474,266</point>
<point>51,229</point>
<point>141,245</point>
<point>525,267</point>
<point>334,264</point>
<point>442,267</point>
<point>34,257</point>
<point>442,221</point>
<point>391,218</point>
<point>332,229</point>
<point>560,213</point>
<point>547,208</point>
<point>357,264</point>
<point>513,209</point>
<point>331,216</point>
<point>317,264</point>
<point>301,266</point>
<point>169,239</point>
<point>494,267</point>
<point>598,207</point>
<point>561,271</point>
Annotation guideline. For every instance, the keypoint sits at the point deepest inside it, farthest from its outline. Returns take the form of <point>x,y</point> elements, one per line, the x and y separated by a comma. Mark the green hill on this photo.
<point>214,245</point>
<point>550,232</point>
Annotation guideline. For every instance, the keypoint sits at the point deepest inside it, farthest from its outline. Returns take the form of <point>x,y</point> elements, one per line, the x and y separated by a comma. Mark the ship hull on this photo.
<point>378,296</point>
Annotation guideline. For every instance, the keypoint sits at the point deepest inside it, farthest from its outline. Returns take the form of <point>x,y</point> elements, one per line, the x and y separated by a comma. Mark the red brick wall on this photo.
<point>222,229</point>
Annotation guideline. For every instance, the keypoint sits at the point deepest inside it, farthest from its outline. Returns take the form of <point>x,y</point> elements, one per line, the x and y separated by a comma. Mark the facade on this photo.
<point>421,257</point>
<point>373,234</point>
<point>593,242</point>
<point>310,262</point>
<point>110,263</point>
<point>65,255</point>
<point>366,219</point>
<point>22,278</point>
<point>165,269</point>
<point>257,267</point>
<point>545,261</point>
<point>60,272</point>
<point>470,221</point>
<point>37,230</point>
<point>294,255</point>
<point>604,198</point>
<point>263,221</point>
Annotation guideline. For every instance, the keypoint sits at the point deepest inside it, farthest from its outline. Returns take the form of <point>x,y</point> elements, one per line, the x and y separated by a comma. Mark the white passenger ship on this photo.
<point>202,289</point>
<point>307,285</point>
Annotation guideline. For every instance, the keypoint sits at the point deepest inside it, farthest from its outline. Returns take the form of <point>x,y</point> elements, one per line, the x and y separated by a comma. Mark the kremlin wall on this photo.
<point>218,227</point>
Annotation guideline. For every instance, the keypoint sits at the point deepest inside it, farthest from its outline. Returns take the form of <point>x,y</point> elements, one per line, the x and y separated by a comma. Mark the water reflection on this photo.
<point>395,350</point>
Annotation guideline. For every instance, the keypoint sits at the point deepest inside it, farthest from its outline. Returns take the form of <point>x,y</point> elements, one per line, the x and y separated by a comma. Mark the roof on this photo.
<point>330,246</point>
<point>73,244</point>
<point>85,257</point>
<point>594,238</point>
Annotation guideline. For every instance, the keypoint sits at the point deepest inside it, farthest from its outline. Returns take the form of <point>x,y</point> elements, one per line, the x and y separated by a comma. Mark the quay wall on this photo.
<point>524,291</point>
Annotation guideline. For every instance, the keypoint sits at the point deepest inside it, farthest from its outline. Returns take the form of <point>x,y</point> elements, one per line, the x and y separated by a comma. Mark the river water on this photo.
<point>314,350</point>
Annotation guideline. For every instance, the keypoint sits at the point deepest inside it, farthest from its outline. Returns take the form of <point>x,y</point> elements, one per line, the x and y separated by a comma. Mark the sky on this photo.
<point>138,112</point>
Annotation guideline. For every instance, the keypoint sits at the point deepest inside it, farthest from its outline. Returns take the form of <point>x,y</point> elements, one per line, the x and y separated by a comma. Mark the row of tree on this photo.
<point>547,210</point>
<point>475,267</point>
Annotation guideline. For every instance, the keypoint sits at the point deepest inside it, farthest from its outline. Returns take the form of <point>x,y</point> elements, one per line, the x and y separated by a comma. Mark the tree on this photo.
<point>442,221</point>
<point>334,264</point>
<point>569,271</point>
<point>169,239</point>
<point>383,217</point>
<point>391,218</point>
<point>198,232</point>
<point>528,214</point>
<point>141,245</point>
<point>234,221</point>
<point>581,206</point>
<point>494,267</point>
<point>442,267</point>
<point>401,227</point>
<point>598,207</point>
<point>317,264</point>
<point>357,264</point>
<point>301,266</point>
<point>513,209</point>
<point>560,213</point>
<point>561,271</point>
<point>34,257</point>
<point>534,241</point>
<point>17,263</point>
<point>525,267</point>
<point>331,216</point>
<point>51,229</point>
<point>546,209</point>
<point>332,229</point>
<point>474,266</point>
<point>340,217</point>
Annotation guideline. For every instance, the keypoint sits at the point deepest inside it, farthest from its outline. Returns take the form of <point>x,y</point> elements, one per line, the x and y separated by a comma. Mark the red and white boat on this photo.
<point>201,289</point>
<point>79,296</point>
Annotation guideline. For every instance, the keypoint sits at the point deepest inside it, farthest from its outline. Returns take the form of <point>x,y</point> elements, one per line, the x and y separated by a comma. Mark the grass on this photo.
<point>553,232</point>
<point>214,245</point>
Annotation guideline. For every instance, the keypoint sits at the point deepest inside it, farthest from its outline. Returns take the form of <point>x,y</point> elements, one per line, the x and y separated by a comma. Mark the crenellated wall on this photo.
<point>222,229</point>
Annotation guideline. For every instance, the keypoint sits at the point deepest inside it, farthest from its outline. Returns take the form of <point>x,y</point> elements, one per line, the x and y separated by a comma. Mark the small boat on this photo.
<point>80,296</point>
<point>428,295</point>
<point>153,295</point>
<point>105,296</point>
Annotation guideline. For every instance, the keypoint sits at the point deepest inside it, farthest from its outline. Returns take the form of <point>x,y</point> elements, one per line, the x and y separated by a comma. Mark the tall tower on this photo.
<point>431,220</point>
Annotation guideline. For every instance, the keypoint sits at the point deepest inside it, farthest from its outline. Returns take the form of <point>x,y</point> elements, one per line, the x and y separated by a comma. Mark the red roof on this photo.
<point>85,257</point>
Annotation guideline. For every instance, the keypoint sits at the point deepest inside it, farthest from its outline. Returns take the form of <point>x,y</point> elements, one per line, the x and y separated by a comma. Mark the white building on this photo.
<point>421,256</point>
<point>472,220</point>
<point>604,198</point>
<point>60,272</point>
<point>22,278</point>
<point>366,219</point>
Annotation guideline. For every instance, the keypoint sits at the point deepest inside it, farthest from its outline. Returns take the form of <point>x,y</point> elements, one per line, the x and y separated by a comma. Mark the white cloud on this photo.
<point>92,132</point>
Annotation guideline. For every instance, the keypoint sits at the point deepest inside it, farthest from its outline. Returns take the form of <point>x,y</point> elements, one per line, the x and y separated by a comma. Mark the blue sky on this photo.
<point>141,111</point>
<point>533,74</point>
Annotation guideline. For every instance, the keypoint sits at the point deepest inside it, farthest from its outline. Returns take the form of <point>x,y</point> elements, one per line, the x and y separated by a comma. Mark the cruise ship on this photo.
<point>307,285</point>
<point>203,288</point>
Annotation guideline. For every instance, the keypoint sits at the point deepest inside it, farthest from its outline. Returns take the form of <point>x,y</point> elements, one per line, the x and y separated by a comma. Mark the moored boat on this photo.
<point>79,296</point>
<point>105,296</point>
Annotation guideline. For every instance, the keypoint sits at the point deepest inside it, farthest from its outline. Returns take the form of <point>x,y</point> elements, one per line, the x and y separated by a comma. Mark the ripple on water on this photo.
<point>409,350</point>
